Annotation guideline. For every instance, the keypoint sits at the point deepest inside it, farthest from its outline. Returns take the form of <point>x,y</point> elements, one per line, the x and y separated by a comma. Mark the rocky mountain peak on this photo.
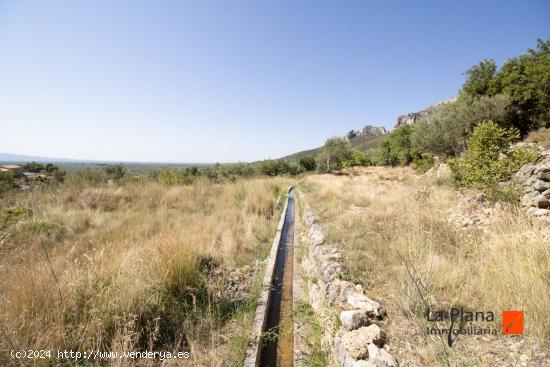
<point>413,117</point>
<point>368,131</point>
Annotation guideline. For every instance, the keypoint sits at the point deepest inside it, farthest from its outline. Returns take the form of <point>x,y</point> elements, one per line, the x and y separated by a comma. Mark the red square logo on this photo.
<point>512,322</point>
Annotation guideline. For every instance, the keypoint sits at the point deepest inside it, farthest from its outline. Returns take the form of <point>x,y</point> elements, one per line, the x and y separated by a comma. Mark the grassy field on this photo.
<point>399,240</point>
<point>134,266</point>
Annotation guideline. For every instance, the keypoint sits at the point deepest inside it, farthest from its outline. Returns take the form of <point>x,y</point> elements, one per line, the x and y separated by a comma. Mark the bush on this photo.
<point>335,151</point>
<point>425,162</point>
<point>525,79</point>
<point>116,172</point>
<point>59,176</point>
<point>51,168</point>
<point>176,176</point>
<point>444,132</point>
<point>397,149</point>
<point>307,163</point>
<point>357,159</point>
<point>489,159</point>
<point>33,167</point>
<point>279,167</point>
<point>6,182</point>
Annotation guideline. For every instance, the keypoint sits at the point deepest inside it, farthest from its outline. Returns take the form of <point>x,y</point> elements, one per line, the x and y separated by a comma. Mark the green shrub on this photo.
<point>13,215</point>
<point>396,149</point>
<point>307,163</point>
<point>41,227</point>
<point>509,193</point>
<point>59,176</point>
<point>50,168</point>
<point>444,132</point>
<point>425,162</point>
<point>33,167</point>
<point>335,151</point>
<point>489,159</point>
<point>357,159</point>
<point>115,172</point>
<point>176,176</point>
<point>6,182</point>
<point>279,167</point>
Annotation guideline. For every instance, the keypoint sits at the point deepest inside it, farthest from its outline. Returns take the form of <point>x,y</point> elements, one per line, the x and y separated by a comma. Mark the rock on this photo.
<point>368,131</point>
<point>413,117</point>
<point>525,171</point>
<point>341,354</point>
<point>373,131</point>
<point>540,185</point>
<point>354,319</point>
<point>544,176</point>
<point>337,292</point>
<point>380,358</point>
<point>316,235</point>
<point>356,342</point>
<point>359,300</point>
<point>537,212</point>
<point>535,199</point>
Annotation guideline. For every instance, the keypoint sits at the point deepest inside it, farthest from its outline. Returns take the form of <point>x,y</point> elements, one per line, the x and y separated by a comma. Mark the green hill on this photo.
<point>368,138</point>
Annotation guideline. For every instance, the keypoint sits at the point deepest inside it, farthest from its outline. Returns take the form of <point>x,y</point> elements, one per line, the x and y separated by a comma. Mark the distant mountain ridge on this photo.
<point>9,157</point>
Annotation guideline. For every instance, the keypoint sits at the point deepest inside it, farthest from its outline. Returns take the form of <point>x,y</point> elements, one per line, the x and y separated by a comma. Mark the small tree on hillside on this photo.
<point>307,163</point>
<point>115,172</point>
<point>6,181</point>
<point>335,151</point>
<point>33,167</point>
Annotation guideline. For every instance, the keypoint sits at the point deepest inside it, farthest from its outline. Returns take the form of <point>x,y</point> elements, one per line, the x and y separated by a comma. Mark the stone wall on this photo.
<point>535,180</point>
<point>347,316</point>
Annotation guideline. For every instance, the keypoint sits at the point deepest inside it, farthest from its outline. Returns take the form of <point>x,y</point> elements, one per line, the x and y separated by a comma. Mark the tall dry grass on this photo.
<point>126,267</point>
<point>399,242</point>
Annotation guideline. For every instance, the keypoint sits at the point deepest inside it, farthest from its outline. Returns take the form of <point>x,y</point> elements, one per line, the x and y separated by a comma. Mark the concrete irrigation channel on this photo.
<point>272,341</point>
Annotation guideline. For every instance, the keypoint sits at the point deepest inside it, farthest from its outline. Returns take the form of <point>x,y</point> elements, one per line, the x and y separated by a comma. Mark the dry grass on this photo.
<point>541,135</point>
<point>125,267</point>
<point>398,242</point>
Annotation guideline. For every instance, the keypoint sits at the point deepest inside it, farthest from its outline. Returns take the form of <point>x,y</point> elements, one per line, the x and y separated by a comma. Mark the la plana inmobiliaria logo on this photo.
<point>459,321</point>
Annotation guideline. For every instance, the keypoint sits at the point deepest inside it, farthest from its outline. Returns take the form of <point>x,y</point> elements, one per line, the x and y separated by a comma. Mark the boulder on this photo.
<point>378,357</point>
<point>354,319</point>
<point>535,199</point>
<point>357,299</point>
<point>525,172</point>
<point>316,235</point>
<point>341,355</point>
<point>337,292</point>
<point>356,342</point>
<point>540,185</point>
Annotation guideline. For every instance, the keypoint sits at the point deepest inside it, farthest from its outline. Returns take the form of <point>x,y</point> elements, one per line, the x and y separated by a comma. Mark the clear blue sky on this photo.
<point>221,81</point>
